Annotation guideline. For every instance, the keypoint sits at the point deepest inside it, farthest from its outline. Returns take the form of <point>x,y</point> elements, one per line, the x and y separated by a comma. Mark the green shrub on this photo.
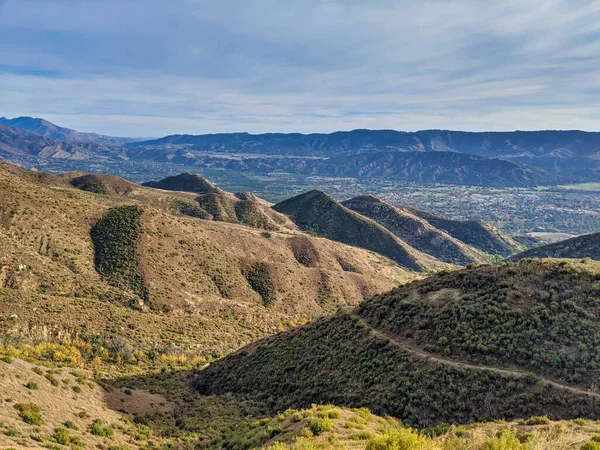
<point>538,420</point>
<point>438,430</point>
<point>70,425</point>
<point>32,385</point>
<point>319,425</point>
<point>61,436</point>
<point>259,278</point>
<point>30,413</point>
<point>53,380</point>
<point>100,428</point>
<point>591,445</point>
<point>506,440</point>
<point>331,414</point>
<point>403,439</point>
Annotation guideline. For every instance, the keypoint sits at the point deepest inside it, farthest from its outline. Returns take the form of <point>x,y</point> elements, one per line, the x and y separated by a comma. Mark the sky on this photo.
<point>155,67</point>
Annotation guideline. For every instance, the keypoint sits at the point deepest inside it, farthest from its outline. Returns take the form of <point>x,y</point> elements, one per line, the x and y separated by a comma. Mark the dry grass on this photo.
<point>76,401</point>
<point>198,295</point>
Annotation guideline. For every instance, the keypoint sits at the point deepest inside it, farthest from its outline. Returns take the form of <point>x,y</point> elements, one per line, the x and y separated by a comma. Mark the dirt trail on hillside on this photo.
<point>411,348</point>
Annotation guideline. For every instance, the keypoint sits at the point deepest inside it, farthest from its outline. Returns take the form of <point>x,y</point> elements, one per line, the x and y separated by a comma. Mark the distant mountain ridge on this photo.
<point>406,167</point>
<point>491,159</point>
<point>572,153</point>
<point>49,130</point>
<point>489,144</point>
<point>19,144</point>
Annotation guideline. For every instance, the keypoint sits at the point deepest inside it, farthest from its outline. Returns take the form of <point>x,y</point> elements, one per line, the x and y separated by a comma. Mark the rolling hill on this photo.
<point>318,213</point>
<point>485,343</point>
<point>119,304</point>
<point>242,207</point>
<point>178,280</point>
<point>586,246</point>
<point>415,231</point>
<point>480,235</point>
<point>185,182</point>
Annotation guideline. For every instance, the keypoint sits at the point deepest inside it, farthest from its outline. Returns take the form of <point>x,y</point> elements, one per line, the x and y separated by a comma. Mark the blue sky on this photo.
<point>156,67</point>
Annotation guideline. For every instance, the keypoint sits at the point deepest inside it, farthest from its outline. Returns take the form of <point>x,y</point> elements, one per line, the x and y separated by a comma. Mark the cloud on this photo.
<point>145,68</point>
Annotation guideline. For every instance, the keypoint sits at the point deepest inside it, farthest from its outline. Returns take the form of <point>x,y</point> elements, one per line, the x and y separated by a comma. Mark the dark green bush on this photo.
<point>115,236</point>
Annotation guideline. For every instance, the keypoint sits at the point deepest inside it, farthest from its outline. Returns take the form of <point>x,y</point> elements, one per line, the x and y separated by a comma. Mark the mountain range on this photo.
<point>494,159</point>
<point>560,152</point>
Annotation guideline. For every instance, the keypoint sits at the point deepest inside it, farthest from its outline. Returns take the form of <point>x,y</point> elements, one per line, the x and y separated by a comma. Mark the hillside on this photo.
<point>134,260</point>
<point>51,404</point>
<point>586,246</point>
<point>101,184</point>
<point>480,235</point>
<point>318,213</point>
<point>242,207</point>
<point>49,130</point>
<point>490,342</point>
<point>415,231</point>
<point>185,182</point>
<point>400,166</point>
<point>331,427</point>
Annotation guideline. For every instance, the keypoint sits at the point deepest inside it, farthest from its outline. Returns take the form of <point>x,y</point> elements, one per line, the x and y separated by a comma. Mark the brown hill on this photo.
<point>103,184</point>
<point>480,235</point>
<point>187,182</point>
<point>586,246</point>
<point>140,256</point>
<point>415,231</point>
<point>318,213</point>
<point>242,208</point>
<point>18,144</point>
